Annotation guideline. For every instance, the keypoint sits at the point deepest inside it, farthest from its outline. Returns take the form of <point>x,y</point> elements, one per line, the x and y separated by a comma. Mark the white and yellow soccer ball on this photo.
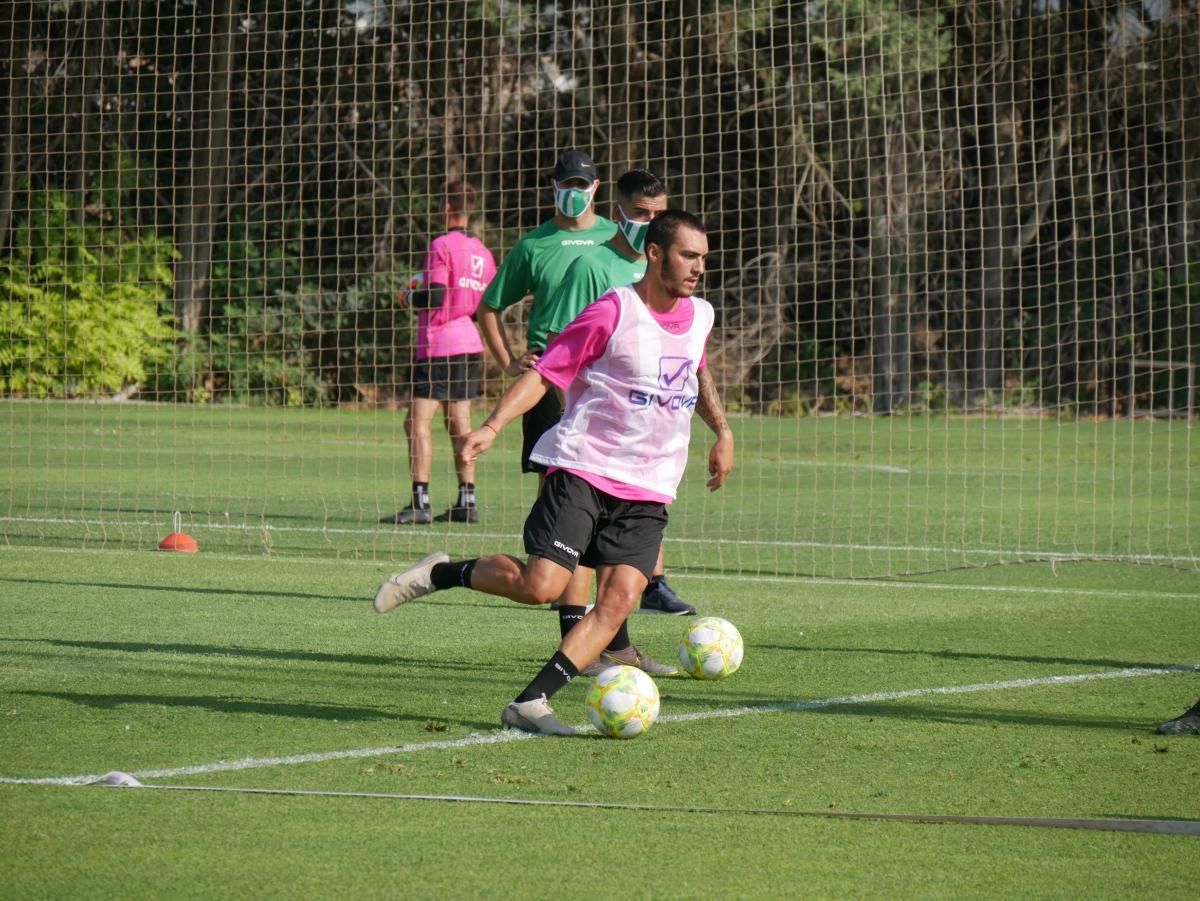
<point>711,649</point>
<point>622,702</point>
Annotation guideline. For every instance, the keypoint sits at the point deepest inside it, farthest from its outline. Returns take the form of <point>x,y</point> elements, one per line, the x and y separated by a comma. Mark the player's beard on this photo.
<point>677,278</point>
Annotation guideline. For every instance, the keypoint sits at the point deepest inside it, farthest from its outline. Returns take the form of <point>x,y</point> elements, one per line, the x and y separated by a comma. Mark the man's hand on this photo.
<point>720,459</point>
<point>414,283</point>
<point>523,362</point>
<point>477,443</point>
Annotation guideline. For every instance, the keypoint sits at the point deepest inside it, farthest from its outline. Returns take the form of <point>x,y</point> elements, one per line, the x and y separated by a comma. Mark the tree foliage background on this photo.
<point>912,203</point>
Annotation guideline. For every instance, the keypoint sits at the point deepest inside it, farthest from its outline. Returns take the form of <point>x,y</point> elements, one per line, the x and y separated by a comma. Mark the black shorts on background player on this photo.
<point>447,378</point>
<point>544,416</point>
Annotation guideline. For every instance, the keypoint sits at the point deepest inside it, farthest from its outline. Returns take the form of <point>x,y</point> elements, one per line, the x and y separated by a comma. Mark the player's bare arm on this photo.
<point>520,397</point>
<point>496,339</point>
<point>710,409</point>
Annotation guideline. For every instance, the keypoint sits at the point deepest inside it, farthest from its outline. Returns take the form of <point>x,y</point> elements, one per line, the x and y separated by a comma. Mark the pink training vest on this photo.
<point>628,415</point>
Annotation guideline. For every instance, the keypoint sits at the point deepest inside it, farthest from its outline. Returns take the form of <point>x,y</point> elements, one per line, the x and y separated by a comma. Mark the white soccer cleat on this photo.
<point>414,582</point>
<point>534,716</point>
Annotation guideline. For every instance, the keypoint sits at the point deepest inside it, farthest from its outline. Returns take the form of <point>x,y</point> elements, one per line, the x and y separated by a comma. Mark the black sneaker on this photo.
<point>659,598</point>
<point>409,514</point>
<point>469,513</point>
<point>1187,724</point>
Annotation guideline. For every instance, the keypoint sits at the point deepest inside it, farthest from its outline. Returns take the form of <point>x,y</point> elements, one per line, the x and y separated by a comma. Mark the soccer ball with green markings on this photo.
<point>622,702</point>
<point>711,649</point>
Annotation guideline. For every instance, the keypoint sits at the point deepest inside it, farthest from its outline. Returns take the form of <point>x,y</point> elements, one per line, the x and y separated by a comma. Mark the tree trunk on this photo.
<point>210,158</point>
<point>16,89</point>
<point>891,284</point>
<point>79,117</point>
<point>999,156</point>
<point>625,122</point>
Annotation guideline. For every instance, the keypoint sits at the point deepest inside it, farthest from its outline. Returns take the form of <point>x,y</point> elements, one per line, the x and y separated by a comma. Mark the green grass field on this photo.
<point>1020,690</point>
<point>832,497</point>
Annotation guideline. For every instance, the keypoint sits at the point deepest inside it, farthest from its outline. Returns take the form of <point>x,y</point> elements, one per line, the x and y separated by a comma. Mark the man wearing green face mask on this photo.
<point>536,266</point>
<point>641,195</point>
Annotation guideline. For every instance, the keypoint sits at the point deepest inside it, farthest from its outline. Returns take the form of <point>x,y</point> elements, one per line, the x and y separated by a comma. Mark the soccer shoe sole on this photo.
<point>400,588</point>
<point>685,610</point>
<point>408,516</point>
<point>546,723</point>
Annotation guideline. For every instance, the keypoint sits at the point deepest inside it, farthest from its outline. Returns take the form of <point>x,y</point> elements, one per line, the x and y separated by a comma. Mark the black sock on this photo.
<point>568,617</point>
<point>455,574</point>
<point>554,675</point>
<point>621,640</point>
<point>466,494</point>
<point>420,495</point>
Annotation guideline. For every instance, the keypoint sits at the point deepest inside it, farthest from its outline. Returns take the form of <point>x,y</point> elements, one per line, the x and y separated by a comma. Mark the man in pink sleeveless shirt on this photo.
<point>633,371</point>
<point>449,355</point>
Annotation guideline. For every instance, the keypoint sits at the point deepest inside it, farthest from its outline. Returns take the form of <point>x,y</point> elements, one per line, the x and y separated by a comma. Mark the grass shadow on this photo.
<point>193,590</point>
<point>209,650</point>
<point>234,705</point>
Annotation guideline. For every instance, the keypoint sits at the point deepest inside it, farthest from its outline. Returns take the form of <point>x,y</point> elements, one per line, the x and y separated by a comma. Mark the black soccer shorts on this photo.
<point>447,378</point>
<point>574,522</point>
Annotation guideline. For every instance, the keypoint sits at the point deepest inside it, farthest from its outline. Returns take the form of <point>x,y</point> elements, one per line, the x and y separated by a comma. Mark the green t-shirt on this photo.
<point>591,275</point>
<point>536,265</point>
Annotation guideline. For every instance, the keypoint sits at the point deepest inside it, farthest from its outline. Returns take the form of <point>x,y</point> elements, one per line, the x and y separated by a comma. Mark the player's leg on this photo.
<point>458,426</point>
<point>561,521</point>
<point>575,600</point>
<point>418,429</point>
<point>537,582</point>
<point>572,607</point>
<point>534,424</point>
<point>462,386</point>
<point>618,591</point>
<point>659,597</point>
<point>623,549</point>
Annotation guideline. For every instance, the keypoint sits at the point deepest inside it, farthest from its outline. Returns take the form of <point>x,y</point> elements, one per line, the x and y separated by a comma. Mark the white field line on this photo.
<point>1012,553</point>
<point>506,735</point>
<point>384,445</point>
<point>683,575</point>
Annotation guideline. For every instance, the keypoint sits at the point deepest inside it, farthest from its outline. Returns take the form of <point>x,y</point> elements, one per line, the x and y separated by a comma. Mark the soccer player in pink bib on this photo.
<point>632,368</point>
<point>449,356</point>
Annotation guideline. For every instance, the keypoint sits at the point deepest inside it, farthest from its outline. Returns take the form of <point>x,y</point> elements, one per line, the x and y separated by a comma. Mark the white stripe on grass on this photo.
<point>683,575</point>
<point>504,736</point>
<point>1015,554</point>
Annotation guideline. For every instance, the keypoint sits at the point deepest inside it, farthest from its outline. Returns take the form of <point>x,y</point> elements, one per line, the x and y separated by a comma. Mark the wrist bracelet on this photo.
<point>495,431</point>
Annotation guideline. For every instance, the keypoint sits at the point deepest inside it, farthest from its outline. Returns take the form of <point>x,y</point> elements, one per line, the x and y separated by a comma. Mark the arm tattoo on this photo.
<point>708,403</point>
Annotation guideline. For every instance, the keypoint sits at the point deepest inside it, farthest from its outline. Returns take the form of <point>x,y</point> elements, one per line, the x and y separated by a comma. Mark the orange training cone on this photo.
<point>179,540</point>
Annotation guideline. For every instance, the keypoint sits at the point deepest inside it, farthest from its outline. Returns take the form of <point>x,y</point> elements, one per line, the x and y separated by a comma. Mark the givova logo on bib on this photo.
<point>673,375</point>
<point>673,372</point>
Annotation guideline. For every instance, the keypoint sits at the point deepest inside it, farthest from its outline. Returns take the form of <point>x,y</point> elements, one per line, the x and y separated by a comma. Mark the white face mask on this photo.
<point>634,231</point>
<point>573,202</point>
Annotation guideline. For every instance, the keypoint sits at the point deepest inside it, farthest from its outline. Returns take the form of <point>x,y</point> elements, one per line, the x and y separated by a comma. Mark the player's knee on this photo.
<point>617,603</point>
<point>542,591</point>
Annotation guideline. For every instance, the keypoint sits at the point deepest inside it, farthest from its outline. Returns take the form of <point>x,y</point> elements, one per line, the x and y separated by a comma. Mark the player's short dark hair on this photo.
<point>665,227</point>
<point>460,195</point>
<point>640,183</point>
